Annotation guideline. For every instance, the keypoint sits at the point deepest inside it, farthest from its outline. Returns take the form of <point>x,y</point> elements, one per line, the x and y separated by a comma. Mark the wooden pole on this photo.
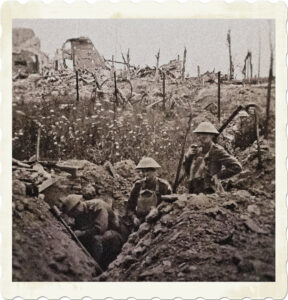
<point>176,182</point>
<point>198,71</point>
<point>164,97</point>
<point>231,75</point>
<point>77,86</point>
<point>259,57</point>
<point>268,97</point>
<point>38,144</point>
<point>157,65</point>
<point>115,86</point>
<point>219,96</point>
<point>257,137</point>
<point>184,62</point>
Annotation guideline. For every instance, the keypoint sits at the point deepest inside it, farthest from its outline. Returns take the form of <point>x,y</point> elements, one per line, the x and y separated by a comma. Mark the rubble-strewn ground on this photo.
<point>195,238</point>
<point>202,238</point>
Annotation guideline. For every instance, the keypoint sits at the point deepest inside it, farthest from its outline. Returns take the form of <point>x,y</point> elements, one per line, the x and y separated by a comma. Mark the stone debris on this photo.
<point>174,243</point>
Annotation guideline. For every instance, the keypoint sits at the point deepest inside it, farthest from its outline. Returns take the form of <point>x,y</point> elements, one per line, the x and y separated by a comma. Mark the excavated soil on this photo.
<point>42,248</point>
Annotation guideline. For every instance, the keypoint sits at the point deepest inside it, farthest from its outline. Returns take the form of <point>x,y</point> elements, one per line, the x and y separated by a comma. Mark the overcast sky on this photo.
<point>205,40</point>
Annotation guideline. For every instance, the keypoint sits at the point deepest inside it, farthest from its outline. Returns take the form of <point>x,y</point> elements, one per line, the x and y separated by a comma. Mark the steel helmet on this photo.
<point>147,163</point>
<point>206,127</point>
<point>243,113</point>
<point>71,201</point>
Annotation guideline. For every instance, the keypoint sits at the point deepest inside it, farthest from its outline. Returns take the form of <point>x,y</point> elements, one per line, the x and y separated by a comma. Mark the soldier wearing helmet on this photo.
<point>208,163</point>
<point>96,226</point>
<point>146,192</point>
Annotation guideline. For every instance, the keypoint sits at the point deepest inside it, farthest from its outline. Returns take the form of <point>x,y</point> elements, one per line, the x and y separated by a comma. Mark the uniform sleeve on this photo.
<point>165,187</point>
<point>187,162</point>
<point>134,194</point>
<point>230,163</point>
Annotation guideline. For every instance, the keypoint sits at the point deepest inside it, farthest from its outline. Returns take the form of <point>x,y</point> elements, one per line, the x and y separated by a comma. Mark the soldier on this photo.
<point>96,226</point>
<point>146,193</point>
<point>207,164</point>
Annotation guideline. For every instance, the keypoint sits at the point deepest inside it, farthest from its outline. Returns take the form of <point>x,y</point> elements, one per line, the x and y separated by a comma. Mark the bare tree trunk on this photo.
<point>219,96</point>
<point>157,65</point>
<point>164,96</point>
<point>257,138</point>
<point>231,69</point>
<point>128,62</point>
<point>184,62</point>
<point>259,58</point>
<point>38,144</point>
<point>268,96</point>
<point>77,86</point>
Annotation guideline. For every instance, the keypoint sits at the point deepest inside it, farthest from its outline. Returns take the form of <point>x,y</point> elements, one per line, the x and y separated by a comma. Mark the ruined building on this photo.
<point>82,53</point>
<point>27,55</point>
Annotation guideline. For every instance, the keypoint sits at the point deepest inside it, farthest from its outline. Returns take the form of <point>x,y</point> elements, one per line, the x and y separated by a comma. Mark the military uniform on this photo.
<point>159,186</point>
<point>201,168</point>
<point>99,231</point>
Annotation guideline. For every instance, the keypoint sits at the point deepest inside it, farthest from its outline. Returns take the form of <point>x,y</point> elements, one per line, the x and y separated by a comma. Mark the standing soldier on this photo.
<point>207,164</point>
<point>146,193</point>
<point>96,226</point>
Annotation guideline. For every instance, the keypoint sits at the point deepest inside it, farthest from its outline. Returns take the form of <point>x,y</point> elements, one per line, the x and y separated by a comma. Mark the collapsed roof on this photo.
<point>83,54</point>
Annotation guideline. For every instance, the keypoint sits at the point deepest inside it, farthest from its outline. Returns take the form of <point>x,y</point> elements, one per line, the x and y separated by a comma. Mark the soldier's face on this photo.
<point>77,210</point>
<point>149,173</point>
<point>205,139</point>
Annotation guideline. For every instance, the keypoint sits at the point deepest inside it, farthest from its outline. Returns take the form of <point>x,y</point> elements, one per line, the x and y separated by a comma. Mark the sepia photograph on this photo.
<point>143,150</point>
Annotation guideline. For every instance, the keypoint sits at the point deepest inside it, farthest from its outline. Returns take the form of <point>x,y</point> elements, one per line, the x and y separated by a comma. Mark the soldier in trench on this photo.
<point>146,192</point>
<point>96,226</point>
<point>208,163</point>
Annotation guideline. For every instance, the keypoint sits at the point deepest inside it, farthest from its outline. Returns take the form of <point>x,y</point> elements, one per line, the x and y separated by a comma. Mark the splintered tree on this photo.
<point>184,62</point>
<point>248,68</point>
<point>231,67</point>
<point>270,78</point>
<point>157,65</point>
<point>259,57</point>
<point>127,61</point>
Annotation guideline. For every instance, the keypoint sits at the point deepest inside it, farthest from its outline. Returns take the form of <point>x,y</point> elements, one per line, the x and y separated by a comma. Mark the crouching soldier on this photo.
<point>96,226</point>
<point>146,192</point>
<point>206,164</point>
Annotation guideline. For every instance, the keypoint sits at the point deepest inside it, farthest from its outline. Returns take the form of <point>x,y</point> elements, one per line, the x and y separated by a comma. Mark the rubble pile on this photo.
<point>201,238</point>
<point>258,180</point>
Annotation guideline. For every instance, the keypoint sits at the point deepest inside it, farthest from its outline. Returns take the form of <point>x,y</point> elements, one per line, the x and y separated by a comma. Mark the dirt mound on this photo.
<point>42,248</point>
<point>201,238</point>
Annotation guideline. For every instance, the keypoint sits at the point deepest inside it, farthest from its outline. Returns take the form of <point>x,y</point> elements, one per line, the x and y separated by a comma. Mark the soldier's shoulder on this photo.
<point>95,203</point>
<point>163,181</point>
<point>219,149</point>
<point>139,182</point>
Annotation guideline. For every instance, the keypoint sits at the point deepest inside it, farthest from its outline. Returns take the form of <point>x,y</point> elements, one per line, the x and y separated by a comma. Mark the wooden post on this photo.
<point>219,96</point>
<point>128,63</point>
<point>38,144</point>
<point>251,67</point>
<point>184,62</point>
<point>176,182</point>
<point>231,68</point>
<point>115,87</point>
<point>198,71</point>
<point>77,86</point>
<point>157,65</point>
<point>164,98</point>
<point>259,58</point>
<point>257,137</point>
<point>268,97</point>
